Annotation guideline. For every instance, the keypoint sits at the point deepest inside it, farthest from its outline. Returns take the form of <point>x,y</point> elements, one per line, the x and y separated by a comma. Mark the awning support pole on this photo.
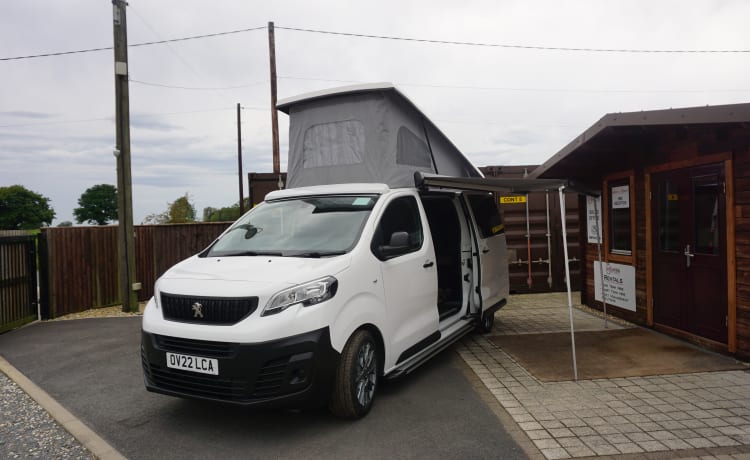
<point>601,265</point>
<point>549,245</point>
<point>567,280</point>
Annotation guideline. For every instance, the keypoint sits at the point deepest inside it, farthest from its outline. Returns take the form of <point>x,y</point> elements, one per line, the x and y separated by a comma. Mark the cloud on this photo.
<point>191,146</point>
<point>27,114</point>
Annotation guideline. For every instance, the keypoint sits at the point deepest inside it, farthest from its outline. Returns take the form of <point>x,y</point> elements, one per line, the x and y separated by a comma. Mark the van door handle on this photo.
<point>428,264</point>
<point>485,250</point>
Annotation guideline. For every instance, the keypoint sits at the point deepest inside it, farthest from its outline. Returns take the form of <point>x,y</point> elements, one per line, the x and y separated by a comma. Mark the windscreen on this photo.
<point>316,226</point>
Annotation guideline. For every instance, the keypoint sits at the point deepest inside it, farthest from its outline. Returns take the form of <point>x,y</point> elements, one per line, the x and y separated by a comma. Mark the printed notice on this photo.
<point>621,197</point>
<point>594,219</point>
<point>619,284</point>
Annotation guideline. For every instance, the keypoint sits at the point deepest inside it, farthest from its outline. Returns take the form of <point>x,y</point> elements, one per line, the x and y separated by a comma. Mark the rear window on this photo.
<point>486,214</point>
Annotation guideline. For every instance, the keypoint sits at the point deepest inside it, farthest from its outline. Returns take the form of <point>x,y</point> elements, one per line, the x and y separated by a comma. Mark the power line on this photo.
<point>144,114</point>
<point>505,45</point>
<point>158,42</point>
<point>397,38</point>
<point>162,85</point>
<point>542,90</point>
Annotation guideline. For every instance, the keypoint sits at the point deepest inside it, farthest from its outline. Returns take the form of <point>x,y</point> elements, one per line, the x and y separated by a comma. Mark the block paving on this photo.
<point>704,415</point>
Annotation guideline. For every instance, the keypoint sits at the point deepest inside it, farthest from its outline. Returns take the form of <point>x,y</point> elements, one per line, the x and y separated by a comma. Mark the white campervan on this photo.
<point>322,290</point>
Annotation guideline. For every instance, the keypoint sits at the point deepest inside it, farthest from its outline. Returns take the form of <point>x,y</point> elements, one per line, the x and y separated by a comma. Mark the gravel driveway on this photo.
<point>27,430</point>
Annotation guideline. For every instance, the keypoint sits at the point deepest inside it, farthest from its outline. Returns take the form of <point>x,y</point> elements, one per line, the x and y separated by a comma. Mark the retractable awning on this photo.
<point>522,187</point>
<point>494,184</point>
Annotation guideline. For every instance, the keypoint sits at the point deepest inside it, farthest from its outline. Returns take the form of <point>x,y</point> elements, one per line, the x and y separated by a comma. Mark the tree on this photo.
<point>98,205</point>
<point>22,209</point>
<point>156,219</point>
<point>225,214</point>
<point>65,223</point>
<point>179,211</point>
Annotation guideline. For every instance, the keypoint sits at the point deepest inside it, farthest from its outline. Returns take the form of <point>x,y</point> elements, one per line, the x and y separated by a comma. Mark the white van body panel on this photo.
<point>493,260</point>
<point>397,298</point>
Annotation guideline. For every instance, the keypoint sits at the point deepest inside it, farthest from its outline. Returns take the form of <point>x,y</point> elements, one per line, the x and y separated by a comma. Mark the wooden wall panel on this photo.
<point>742,249</point>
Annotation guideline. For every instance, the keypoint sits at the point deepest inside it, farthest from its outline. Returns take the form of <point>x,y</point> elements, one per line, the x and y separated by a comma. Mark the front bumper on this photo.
<point>294,371</point>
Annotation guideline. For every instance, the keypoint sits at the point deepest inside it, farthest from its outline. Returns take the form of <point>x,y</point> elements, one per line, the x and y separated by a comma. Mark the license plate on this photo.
<point>193,363</point>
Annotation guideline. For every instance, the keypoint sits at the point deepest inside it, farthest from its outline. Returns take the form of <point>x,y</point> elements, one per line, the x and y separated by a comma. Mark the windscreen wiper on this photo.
<point>253,253</point>
<point>316,254</point>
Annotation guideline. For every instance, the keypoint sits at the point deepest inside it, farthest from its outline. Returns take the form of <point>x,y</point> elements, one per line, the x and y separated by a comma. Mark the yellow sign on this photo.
<point>512,199</point>
<point>498,228</point>
<point>673,197</point>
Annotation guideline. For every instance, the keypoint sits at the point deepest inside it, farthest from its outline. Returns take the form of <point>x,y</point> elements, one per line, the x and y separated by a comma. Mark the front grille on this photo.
<point>209,386</point>
<point>271,378</point>
<point>271,381</point>
<point>207,310</point>
<point>196,347</point>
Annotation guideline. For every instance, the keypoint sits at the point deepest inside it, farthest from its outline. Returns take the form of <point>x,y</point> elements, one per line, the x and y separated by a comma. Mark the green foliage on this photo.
<point>156,219</point>
<point>22,209</point>
<point>226,214</point>
<point>179,211</point>
<point>97,205</point>
<point>65,223</point>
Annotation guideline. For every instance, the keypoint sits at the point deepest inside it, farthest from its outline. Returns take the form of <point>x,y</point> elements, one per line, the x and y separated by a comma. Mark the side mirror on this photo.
<point>399,240</point>
<point>398,244</point>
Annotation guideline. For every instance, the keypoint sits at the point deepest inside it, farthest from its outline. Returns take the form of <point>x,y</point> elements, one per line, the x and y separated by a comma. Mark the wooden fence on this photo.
<point>18,293</point>
<point>80,264</point>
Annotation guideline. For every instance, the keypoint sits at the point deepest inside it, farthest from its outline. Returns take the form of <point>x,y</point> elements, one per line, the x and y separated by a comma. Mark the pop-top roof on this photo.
<point>363,134</point>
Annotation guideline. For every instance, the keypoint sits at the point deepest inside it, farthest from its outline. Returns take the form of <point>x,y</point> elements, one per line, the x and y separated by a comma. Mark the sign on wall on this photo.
<point>594,219</point>
<point>621,197</point>
<point>619,284</point>
<point>512,199</point>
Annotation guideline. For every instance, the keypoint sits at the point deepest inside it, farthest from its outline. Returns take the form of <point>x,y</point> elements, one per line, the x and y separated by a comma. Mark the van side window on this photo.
<point>486,213</point>
<point>401,215</point>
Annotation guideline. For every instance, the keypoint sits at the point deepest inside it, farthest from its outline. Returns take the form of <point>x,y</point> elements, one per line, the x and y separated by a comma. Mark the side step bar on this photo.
<point>421,358</point>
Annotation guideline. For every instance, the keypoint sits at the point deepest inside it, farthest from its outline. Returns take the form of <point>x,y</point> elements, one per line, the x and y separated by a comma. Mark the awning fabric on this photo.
<point>493,184</point>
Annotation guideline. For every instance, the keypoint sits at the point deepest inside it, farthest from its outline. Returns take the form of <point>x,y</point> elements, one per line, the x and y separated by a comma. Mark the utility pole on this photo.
<point>239,158</point>
<point>274,115</point>
<point>125,236</point>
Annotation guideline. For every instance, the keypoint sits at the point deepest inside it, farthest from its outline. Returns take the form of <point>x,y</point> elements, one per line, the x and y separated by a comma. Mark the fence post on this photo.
<point>43,270</point>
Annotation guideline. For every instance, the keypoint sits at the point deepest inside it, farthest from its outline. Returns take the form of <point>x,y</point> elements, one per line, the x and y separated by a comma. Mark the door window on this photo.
<point>620,227</point>
<point>486,214</point>
<point>706,212</point>
<point>669,217</point>
<point>401,215</point>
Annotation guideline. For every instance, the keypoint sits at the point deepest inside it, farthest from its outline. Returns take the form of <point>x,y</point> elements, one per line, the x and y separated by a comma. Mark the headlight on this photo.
<point>307,294</point>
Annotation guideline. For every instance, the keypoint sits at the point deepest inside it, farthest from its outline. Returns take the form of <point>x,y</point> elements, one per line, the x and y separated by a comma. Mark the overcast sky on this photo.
<point>500,106</point>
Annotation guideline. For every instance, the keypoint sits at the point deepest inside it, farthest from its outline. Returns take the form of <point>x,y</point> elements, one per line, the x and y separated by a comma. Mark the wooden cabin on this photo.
<point>674,216</point>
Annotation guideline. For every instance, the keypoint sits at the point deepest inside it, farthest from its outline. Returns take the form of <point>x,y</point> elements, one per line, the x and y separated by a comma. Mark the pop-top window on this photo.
<point>336,143</point>
<point>411,149</point>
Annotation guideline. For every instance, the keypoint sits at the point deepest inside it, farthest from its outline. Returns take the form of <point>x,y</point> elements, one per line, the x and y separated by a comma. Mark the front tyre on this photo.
<point>356,377</point>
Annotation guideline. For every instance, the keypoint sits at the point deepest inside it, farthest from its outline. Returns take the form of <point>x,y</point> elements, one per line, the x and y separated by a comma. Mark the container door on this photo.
<point>492,248</point>
<point>690,282</point>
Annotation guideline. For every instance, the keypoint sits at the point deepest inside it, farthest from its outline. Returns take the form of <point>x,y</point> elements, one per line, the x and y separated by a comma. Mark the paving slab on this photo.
<point>659,416</point>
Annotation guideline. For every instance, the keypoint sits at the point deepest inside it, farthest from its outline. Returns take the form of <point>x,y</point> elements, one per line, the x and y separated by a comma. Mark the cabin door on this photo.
<point>690,277</point>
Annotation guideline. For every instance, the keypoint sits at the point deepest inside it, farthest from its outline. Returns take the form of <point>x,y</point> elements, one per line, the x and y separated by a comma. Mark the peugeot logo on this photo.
<point>197,310</point>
